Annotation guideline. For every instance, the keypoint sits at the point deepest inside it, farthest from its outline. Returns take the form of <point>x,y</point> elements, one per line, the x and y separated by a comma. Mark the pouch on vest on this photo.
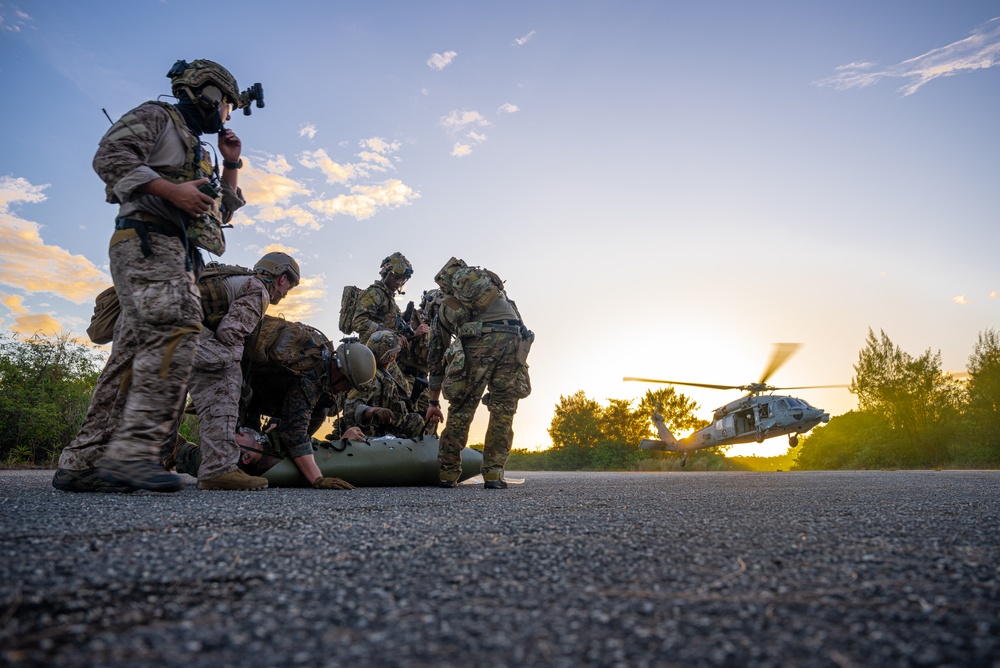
<point>455,383</point>
<point>107,308</point>
<point>524,347</point>
<point>348,305</point>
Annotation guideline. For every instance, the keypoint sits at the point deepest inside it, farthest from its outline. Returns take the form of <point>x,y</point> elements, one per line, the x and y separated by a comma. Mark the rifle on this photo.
<point>403,323</point>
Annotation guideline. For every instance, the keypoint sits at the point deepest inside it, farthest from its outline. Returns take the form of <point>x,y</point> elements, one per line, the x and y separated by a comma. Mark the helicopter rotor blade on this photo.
<point>780,355</point>
<point>677,382</point>
<point>811,387</point>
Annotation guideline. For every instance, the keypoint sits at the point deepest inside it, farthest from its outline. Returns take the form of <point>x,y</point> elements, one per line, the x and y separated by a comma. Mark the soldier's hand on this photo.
<point>380,415</point>
<point>331,483</point>
<point>185,196</point>
<point>230,145</point>
<point>354,434</point>
<point>433,415</point>
<point>422,329</point>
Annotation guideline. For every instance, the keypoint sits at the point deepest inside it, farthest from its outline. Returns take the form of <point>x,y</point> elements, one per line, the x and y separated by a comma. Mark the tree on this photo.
<point>678,410</point>
<point>575,430</point>
<point>914,397</point>
<point>983,398</point>
<point>45,389</point>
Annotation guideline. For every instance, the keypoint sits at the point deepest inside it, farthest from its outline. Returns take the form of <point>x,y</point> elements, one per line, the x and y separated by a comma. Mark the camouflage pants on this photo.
<point>215,389</point>
<point>162,306</point>
<point>106,405</point>
<point>490,363</point>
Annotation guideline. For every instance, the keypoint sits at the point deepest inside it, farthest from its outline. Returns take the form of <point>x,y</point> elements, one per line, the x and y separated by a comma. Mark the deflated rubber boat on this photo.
<point>381,462</point>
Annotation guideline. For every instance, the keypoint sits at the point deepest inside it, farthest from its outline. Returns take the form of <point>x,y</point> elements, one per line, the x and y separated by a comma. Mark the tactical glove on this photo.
<point>331,483</point>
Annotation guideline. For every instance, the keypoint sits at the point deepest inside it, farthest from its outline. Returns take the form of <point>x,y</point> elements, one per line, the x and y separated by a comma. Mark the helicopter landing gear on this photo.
<point>684,460</point>
<point>793,440</point>
<point>759,437</point>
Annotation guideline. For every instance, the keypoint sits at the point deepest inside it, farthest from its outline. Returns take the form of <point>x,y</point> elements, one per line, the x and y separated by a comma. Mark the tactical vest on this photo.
<point>204,231</point>
<point>289,345</point>
<point>214,296</point>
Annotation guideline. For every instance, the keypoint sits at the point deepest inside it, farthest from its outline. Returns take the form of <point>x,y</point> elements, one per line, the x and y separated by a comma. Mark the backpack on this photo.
<point>475,288</point>
<point>106,311</point>
<point>348,305</point>
<point>289,345</point>
<point>214,299</point>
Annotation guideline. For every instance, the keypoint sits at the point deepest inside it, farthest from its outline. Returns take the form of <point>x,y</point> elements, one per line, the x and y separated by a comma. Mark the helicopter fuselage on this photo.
<point>750,419</point>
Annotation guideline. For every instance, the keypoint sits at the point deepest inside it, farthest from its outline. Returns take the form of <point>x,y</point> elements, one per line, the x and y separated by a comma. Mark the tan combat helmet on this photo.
<point>276,263</point>
<point>205,82</point>
<point>356,361</point>
<point>398,265</point>
<point>382,344</point>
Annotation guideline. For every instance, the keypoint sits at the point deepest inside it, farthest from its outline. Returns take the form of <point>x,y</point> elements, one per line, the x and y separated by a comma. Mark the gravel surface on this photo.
<point>568,569</point>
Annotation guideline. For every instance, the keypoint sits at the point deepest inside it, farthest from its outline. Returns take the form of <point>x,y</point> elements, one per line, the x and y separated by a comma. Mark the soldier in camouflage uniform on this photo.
<point>153,164</point>
<point>412,360</point>
<point>476,347</point>
<point>377,309</point>
<point>234,306</point>
<point>381,407</point>
<point>298,390</point>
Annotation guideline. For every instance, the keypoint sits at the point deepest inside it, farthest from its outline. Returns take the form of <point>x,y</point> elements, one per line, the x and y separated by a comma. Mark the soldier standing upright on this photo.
<point>234,306</point>
<point>155,167</point>
<point>478,342</point>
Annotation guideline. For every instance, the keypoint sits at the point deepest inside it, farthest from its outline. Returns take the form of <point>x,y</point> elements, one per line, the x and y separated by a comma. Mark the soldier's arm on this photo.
<point>244,314</point>
<point>439,341</point>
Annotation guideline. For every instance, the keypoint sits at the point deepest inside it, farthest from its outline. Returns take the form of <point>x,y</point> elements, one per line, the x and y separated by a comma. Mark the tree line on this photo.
<point>911,414</point>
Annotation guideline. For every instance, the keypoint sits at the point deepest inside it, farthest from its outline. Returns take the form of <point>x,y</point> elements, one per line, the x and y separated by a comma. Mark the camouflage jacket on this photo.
<point>376,310</point>
<point>144,145</point>
<point>383,392</point>
<point>450,317</point>
<point>247,306</point>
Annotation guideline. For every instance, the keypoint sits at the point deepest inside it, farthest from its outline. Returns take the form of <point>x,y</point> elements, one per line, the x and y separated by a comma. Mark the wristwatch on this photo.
<point>434,402</point>
<point>233,165</point>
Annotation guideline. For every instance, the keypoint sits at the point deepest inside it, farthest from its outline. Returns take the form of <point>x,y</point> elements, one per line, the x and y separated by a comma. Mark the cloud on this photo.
<point>521,41</point>
<point>308,130</point>
<point>457,120</point>
<point>461,150</point>
<point>42,324</point>
<point>303,301</point>
<point>13,19</point>
<point>508,108</point>
<point>27,263</point>
<point>961,300</point>
<point>439,61</point>
<point>993,295</point>
<point>335,172</point>
<point>980,50</point>
<point>364,201</point>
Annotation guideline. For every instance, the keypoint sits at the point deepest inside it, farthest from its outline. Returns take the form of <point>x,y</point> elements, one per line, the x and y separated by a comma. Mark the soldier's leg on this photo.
<point>106,405</point>
<point>216,396</point>
<point>162,304</point>
<point>502,406</point>
<point>455,436</point>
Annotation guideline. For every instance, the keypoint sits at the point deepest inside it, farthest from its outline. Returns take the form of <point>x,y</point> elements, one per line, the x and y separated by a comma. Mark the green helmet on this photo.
<point>276,263</point>
<point>398,265</point>
<point>192,79</point>
<point>356,361</point>
<point>382,343</point>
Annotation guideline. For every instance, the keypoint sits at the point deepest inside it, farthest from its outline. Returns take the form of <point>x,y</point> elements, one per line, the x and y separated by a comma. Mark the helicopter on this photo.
<point>759,415</point>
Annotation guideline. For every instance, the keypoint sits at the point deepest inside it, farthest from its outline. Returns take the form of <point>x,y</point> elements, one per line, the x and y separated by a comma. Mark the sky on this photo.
<point>668,188</point>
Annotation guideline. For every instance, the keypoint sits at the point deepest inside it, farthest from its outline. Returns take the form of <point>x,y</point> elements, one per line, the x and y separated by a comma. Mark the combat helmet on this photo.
<point>383,343</point>
<point>276,263</point>
<point>356,361</point>
<point>197,78</point>
<point>398,265</point>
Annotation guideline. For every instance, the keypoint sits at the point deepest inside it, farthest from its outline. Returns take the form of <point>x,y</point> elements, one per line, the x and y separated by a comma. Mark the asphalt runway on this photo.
<point>896,568</point>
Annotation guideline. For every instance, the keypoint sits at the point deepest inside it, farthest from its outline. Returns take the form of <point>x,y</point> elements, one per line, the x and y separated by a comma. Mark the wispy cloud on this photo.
<point>308,130</point>
<point>980,50</point>
<point>13,19</point>
<point>459,124</point>
<point>521,41</point>
<point>439,61</point>
<point>508,108</point>
<point>456,120</point>
<point>363,202</point>
<point>961,300</point>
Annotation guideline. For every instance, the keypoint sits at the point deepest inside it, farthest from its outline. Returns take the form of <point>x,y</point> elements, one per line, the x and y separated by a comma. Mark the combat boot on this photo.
<point>495,484</point>
<point>145,474</point>
<point>234,480</point>
<point>87,480</point>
